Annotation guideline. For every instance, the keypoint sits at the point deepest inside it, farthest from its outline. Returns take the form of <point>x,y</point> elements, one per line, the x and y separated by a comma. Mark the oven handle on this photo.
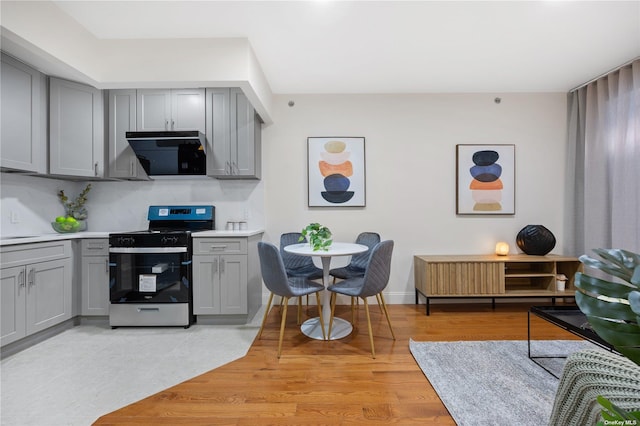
<point>144,250</point>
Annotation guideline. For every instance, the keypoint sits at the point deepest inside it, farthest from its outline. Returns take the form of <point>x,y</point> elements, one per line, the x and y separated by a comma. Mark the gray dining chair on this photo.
<point>374,281</point>
<point>358,263</point>
<point>296,265</point>
<point>278,283</point>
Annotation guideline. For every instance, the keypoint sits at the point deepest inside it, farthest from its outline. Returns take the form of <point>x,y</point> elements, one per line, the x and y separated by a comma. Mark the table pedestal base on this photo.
<point>341,328</point>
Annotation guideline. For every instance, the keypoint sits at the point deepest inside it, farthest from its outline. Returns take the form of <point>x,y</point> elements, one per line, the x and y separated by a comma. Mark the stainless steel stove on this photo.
<point>150,271</point>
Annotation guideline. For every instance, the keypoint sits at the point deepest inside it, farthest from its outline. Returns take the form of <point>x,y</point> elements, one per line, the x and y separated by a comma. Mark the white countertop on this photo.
<point>6,241</point>
<point>223,233</point>
<point>43,238</point>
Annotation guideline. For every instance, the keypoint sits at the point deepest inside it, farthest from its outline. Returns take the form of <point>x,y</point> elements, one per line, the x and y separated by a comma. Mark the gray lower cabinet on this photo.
<point>36,288</point>
<point>234,135</point>
<point>226,278</point>
<point>94,268</point>
<point>76,129</point>
<point>23,141</point>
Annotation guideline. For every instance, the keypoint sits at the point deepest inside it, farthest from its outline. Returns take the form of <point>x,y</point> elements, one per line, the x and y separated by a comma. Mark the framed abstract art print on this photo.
<point>485,179</point>
<point>336,172</point>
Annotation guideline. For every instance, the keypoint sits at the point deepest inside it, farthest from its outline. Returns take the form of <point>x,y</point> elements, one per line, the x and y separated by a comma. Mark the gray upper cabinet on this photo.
<point>233,134</point>
<point>246,137</point>
<point>175,109</point>
<point>76,129</point>
<point>218,135</point>
<point>122,118</point>
<point>23,120</point>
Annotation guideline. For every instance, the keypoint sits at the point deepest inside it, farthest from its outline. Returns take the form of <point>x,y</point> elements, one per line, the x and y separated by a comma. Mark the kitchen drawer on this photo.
<point>219,246</point>
<point>95,247</point>
<point>21,254</point>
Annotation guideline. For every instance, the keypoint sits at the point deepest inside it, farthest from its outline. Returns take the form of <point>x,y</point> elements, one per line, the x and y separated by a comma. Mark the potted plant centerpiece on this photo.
<point>319,236</point>
<point>75,212</point>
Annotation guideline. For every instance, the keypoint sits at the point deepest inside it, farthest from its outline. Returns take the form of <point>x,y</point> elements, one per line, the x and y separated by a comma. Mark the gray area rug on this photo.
<point>494,382</point>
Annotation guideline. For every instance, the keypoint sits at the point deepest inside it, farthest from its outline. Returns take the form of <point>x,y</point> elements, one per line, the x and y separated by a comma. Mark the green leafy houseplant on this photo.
<point>613,310</point>
<point>76,207</point>
<point>319,236</point>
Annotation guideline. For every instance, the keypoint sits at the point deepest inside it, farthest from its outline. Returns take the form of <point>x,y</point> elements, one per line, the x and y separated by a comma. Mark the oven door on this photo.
<point>149,275</point>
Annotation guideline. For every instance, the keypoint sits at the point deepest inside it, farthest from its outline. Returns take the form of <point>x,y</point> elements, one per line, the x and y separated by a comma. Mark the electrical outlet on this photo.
<point>14,217</point>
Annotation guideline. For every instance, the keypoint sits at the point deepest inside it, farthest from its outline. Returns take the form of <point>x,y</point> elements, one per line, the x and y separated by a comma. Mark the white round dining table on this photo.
<point>311,327</point>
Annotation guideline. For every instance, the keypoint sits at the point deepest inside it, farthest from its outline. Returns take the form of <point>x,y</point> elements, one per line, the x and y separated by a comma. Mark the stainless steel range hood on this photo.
<point>170,154</point>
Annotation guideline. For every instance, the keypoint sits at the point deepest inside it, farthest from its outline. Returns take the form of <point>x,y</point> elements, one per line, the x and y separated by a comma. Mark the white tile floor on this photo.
<point>88,371</point>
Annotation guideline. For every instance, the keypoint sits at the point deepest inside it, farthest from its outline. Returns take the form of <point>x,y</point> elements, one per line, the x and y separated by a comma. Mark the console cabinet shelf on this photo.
<point>491,276</point>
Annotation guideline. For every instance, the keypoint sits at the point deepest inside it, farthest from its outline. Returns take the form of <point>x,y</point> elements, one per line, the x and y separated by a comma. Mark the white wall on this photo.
<point>410,169</point>
<point>410,177</point>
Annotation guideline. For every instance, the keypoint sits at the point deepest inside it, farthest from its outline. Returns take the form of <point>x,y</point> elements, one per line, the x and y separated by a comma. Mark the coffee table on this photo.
<point>569,318</point>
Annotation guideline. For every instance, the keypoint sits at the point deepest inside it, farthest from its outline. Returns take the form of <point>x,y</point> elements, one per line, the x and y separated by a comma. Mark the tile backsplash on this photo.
<point>29,204</point>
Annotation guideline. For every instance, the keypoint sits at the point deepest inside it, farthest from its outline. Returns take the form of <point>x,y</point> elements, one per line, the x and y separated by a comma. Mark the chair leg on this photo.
<point>333,308</point>
<point>266,312</point>
<point>357,306</point>
<point>324,336</point>
<point>386,313</point>
<point>366,309</point>
<point>353,310</point>
<point>379,303</point>
<point>282,323</point>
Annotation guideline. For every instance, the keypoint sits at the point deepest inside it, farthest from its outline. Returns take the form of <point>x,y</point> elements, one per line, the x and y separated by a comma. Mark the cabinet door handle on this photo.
<point>106,265</point>
<point>222,266</point>
<point>166,124</point>
<point>95,169</point>
<point>132,167</point>
<point>32,277</point>
<point>215,266</point>
<point>173,123</point>
<point>21,279</point>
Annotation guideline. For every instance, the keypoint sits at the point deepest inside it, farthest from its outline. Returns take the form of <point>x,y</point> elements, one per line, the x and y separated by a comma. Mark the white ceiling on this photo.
<point>394,46</point>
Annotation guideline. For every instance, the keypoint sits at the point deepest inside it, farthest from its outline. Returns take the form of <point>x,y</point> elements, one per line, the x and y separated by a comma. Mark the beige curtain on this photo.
<point>604,163</point>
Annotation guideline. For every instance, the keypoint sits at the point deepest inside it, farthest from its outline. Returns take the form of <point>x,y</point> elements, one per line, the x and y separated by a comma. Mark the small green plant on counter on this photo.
<point>76,207</point>
<point>319,236</point>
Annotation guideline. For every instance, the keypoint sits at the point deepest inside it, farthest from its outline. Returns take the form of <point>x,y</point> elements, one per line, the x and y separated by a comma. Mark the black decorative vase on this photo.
<point>535,240</point>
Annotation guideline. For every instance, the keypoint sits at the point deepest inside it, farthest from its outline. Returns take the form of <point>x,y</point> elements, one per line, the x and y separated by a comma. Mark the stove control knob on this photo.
<point>126,241</point>
<point>169,240</point>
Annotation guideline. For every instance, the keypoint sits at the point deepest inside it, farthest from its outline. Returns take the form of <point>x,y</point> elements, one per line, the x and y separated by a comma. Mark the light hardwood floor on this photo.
<point>336,382</point>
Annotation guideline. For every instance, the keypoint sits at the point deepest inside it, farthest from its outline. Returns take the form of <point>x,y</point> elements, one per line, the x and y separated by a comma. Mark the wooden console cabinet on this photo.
<point>491,276</point>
